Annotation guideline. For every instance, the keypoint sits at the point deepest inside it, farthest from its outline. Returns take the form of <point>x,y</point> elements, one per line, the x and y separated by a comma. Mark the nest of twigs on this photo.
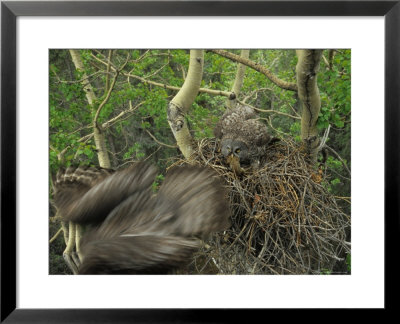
<point>284,221</point>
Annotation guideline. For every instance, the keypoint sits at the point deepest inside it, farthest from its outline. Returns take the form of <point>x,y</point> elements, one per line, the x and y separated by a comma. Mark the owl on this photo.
<point>244,139</point>
<point>131,230</point>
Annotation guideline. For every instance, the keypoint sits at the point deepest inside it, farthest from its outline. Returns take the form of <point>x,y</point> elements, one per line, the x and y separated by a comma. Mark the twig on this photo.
<point>56,235</point>
<point>339,157</point>
<point>158,142</point>
<point>269,111</point>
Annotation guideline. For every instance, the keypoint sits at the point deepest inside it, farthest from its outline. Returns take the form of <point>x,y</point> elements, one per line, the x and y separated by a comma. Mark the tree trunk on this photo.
<point>306,69</point>
<point>99,139</point>
<point>180,104</point>
<point>237,85</point>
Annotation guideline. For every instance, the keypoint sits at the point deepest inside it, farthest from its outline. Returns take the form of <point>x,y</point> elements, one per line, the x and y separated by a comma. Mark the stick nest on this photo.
<point>283,219</point>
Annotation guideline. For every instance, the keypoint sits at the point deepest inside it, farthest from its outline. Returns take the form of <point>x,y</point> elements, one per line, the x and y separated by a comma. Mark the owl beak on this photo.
<point>234,164</point>
<point>229,151</point>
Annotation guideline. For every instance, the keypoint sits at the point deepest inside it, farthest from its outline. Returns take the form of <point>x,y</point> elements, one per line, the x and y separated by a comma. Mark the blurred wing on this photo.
<point>134,215</point>
<point>95,204</point>
<point>191,201</point>
<point>136,254</point>
<point>147,234</point>
<point>73,183</point>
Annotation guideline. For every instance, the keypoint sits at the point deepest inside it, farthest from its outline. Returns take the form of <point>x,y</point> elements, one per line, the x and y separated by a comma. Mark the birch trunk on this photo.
<point>180,104</point>
<point>237,85</point>
<point>99,139</point>
<point>102,154</point>
<point>307,69</point>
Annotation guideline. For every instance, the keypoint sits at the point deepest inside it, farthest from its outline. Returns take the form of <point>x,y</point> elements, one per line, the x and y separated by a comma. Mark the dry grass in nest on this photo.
<point>284,221</point>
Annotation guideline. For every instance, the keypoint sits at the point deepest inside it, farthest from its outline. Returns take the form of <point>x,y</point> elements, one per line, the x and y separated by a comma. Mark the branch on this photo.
<point>228,94</point>
<point>270,111</point>
<point>60,155</point>
<point>238,83</point>
<point>87,77</point>
<point>108,71</point>
<point>108,63</point>
<point>103,103</point>
<point>158,142</point>
<point>56,235</point>
<point>325,60</point>
<point>324,138</point>
<point>117,71</point>
<point>339,157</point>
<point>255,66</point>
<point>117,118</point>
<point>111,122</point>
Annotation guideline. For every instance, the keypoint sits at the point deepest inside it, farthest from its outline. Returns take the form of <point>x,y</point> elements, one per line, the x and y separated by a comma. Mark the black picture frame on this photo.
<point>10,10</point>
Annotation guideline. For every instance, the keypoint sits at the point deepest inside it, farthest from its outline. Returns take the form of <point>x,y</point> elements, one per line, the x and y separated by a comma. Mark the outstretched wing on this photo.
<point>73,183</point>
<point>146,234</point>
<point>83,198</point>
<point>191,201</point>
<point>140,254</point>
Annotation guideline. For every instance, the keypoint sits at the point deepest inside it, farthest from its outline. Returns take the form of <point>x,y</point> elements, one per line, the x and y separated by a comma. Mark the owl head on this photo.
<point>244,138</point>
<point>235,148</point>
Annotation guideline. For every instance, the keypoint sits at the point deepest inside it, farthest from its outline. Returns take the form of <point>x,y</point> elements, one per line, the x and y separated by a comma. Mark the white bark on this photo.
<point>180,104</point>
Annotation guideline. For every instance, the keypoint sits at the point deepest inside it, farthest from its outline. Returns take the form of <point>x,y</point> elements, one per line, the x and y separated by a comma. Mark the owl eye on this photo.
<point>237,150</point>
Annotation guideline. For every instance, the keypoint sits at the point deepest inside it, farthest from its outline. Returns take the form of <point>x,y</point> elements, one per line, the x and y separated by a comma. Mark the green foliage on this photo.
<point>157,182</point>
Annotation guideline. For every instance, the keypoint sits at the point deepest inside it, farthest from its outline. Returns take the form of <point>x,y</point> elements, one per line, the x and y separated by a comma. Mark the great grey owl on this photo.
<point>244,139</point>
<point>131,229</point>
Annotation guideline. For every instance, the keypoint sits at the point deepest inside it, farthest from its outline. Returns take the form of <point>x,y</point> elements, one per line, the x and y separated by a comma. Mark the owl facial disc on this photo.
<point>235,148</point>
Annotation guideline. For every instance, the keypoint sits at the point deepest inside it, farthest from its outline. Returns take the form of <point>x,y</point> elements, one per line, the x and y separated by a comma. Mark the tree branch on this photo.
<point>269,111</point>
<point>158,142</point>
<point>103,103</point>
<point>56,235</point>
<point>339,157</point>
<point>228,94</point>
<point>108,72</point>
<point>117,71</point>
<point>255,66</point>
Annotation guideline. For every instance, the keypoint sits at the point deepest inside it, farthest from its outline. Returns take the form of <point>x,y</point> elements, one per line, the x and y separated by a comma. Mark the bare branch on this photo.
<point>103,103</point>
<point>339,157</point>
<point>108,72</point>
<point>126,114</point>
<point>255,66</point>
<point>158,142</point>
<point>228,94</point>
<point>270,111</point>
<point>56,235</point>
<point>165,86</point>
